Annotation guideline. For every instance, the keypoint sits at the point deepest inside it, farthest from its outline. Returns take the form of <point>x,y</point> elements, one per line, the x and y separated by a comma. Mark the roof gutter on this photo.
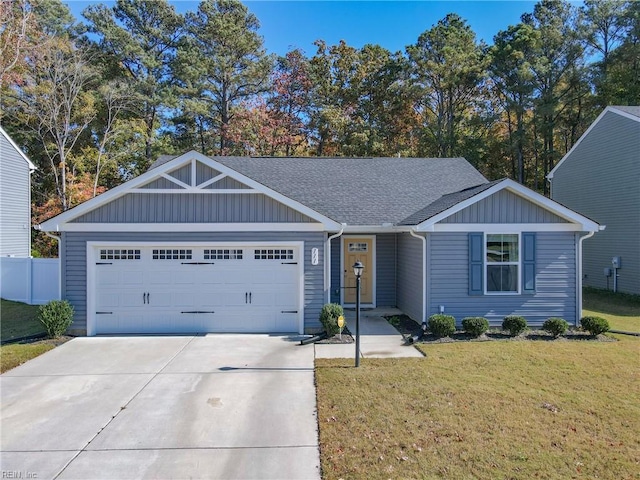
<point>579,275</point>
<point>327,263</point>
<point>424,272</point>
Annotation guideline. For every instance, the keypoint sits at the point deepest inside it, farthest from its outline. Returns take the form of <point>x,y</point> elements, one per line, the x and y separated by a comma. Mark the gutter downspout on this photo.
<point>327,263</point>
<point>424,273</point>
<point>579,277</point>
<point>58,240</point>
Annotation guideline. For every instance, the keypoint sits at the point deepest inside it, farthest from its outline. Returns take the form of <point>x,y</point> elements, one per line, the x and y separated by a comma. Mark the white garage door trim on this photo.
<point>93,256</point>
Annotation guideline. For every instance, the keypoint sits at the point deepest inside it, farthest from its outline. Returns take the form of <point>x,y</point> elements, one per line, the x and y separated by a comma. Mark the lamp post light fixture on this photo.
<point>357,270</point>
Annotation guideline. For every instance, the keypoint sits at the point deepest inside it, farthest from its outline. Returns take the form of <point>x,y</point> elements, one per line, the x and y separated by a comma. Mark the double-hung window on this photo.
<point>502,263</point>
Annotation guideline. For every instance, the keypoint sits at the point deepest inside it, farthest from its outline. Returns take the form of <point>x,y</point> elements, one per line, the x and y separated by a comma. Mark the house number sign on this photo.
<point>314,256</point>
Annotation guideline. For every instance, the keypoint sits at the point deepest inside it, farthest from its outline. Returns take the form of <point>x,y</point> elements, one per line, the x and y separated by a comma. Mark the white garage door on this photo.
<point>188,289</point>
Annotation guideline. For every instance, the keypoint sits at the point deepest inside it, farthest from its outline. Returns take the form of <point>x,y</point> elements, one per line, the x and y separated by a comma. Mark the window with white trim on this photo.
<point>502,263</point>
<point>119,254</point>
<point>273,254</point>
<point>171,254</point>
<point>222,254</point>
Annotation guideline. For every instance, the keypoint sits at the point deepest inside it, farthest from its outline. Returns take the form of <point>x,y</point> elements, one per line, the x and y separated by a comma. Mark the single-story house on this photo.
<point>235,244</point>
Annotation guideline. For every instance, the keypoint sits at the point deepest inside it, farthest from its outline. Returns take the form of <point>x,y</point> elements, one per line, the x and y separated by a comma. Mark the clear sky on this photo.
<point>391,24</point>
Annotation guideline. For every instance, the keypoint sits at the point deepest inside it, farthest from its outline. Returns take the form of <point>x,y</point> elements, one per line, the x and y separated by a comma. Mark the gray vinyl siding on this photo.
<point>386,270</point>
<point>555,281</point>
<point>336,273</point>
<point>15,202</point>
<point>410,277</point>
<point>503,207</point>
<point>74,264</point>
<point>601,180</point>
<point>193,208</point>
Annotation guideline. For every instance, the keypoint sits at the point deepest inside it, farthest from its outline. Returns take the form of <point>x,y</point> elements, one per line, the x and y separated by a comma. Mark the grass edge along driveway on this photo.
<point>526,409</point>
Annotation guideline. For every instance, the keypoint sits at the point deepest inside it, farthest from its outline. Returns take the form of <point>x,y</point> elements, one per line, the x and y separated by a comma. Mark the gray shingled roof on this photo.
<point>633,110</point>
<point>359,191</point>
<point>445,202</point>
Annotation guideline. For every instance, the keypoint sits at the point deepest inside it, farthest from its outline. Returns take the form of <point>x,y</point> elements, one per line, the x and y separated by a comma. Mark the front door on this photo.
<point>358,249</point>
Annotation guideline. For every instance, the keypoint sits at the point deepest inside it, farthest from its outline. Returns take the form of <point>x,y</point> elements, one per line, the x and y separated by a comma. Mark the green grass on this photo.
<point>16,354</point>
<point>18,320</point>
<point>622,311</point>
<point>551,410</point>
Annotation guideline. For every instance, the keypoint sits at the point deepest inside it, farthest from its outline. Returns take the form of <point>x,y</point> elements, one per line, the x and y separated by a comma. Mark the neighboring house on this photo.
<point>15,199</point>
<point>600,178</point>
<point>230,244</point>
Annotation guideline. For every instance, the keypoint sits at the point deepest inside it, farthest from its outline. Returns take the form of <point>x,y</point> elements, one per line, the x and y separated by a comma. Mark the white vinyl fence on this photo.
<point>35,281</point>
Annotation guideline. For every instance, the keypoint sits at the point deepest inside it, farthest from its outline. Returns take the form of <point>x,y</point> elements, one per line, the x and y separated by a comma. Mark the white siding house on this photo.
<point>600,178</point>
<point>15,199</point>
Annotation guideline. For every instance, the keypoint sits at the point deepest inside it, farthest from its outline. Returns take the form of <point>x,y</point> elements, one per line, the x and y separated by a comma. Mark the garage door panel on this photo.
<point>247,294</point>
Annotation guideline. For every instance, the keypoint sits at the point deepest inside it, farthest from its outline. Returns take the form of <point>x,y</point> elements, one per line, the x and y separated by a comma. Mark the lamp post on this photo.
<point>357,270</point>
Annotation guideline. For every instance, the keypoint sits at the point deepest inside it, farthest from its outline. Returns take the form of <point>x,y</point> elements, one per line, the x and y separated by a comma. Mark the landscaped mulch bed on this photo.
<point>408,328</point>
<point>346,337</point>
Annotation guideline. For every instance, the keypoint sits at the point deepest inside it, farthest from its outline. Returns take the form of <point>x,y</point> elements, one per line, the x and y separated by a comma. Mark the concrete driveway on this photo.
<point>210,407</point>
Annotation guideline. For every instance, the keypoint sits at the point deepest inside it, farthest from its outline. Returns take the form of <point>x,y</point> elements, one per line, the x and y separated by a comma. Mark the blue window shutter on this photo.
<point>528,263</point>
<point>476,264</point>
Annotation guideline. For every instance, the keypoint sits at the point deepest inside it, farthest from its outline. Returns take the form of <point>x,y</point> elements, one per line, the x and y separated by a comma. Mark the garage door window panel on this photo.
<point>119,254</point>
<point>172,254</point>
<point>273,254</point>
<point>223,254</point>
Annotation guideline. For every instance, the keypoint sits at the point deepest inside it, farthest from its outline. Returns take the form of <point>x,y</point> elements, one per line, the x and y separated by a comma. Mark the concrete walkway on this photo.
<point>378,339</point>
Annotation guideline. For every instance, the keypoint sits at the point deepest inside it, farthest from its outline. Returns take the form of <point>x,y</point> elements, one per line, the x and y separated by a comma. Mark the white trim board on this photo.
<point>580,222</point>
<point>591,127</point>
<point>32,167</point>
<point>58,222</point>
<point>190,227</point>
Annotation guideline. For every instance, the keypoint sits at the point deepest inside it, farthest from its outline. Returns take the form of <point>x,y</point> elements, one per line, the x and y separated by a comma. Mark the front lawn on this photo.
<point>18,320</point>
<point>621,310</point>
<point>552,410</point>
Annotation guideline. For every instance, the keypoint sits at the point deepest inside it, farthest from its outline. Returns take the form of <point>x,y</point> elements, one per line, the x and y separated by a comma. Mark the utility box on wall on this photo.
<point>616,262</point>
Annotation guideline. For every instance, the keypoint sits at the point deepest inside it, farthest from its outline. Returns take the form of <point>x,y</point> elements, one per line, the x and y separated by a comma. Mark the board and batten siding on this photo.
<point>503,207</point>
<point>601,180</point>
<point>410,277</point>
<point>386,270</point>
<point>555,294</point>
<point>15,202</point>
<point>74,264</point>
<point>193,208</point>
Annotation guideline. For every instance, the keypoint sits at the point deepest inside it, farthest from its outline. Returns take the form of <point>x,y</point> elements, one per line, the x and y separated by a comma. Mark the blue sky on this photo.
<point>391,24</point>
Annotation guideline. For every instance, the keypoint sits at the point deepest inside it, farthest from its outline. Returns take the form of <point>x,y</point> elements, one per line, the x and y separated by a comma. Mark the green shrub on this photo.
<point>442,325</point>
<point>594,325</point>
<point>555,326</point>
<point>514,324</point>
<point>475,326</point>
<point>56,316</point>
<point>329,318</point>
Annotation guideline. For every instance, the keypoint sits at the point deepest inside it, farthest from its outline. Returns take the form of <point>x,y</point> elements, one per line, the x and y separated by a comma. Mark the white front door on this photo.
<point>190,289</point>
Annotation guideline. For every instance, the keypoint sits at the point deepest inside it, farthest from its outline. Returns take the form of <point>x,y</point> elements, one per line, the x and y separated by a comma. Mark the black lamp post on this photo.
<point>357,270</point>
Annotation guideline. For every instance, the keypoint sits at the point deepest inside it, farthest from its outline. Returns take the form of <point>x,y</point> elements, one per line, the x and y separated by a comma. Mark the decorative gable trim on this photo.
<point>591,127</point>
<point>575,221</point>
<point>64,221</point>
<point>32,167</point>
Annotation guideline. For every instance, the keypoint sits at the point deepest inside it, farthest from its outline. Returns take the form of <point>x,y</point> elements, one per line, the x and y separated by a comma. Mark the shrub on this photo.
<point>442,325</point>
<point>56,316</point>
<point>594,325</point>
<point>514,324</point>
<point>475,326</point>
<point>555,326</point>
<point>329,318</point>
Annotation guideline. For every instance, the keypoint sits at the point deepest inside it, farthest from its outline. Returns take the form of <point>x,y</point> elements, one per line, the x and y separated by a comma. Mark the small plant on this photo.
<point>555,326</point>
<point>442,325</point>
<point>329,318</point>
<point>56,316</point>
<point>395,321</point>
<point>514,324</point>
<point>594,325</point>
<point>475,326</point>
